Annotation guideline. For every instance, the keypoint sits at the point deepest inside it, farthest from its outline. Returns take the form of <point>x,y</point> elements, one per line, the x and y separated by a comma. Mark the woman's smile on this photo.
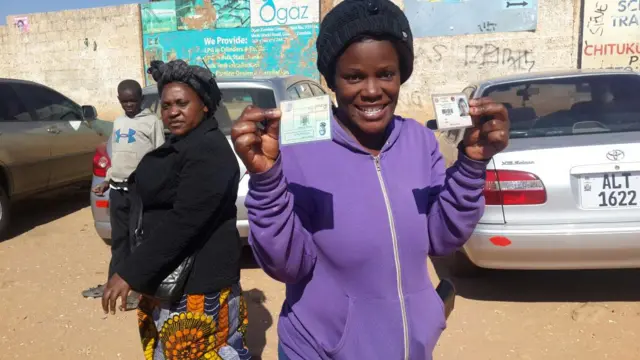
<point>373,112</point>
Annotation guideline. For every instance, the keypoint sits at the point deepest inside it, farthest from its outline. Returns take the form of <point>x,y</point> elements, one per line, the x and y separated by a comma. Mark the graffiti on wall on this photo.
<point>480,56</point>
<point>458,17</point>
<point>490,55</point>
<point>611,35</point>
<point>235,38</point>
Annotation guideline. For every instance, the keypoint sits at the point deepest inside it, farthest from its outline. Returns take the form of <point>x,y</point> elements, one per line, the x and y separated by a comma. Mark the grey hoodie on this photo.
<point>130,140</point>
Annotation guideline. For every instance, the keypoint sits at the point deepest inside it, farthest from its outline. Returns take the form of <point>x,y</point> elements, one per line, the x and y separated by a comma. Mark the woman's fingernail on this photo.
<point>273,112</point>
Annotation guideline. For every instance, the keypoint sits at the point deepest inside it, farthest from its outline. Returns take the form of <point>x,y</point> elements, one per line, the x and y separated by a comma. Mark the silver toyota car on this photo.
<point>565,194</point>
<point>236,95</point>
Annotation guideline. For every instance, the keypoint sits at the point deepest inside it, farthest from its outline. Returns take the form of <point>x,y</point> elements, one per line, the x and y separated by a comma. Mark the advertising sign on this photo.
<point>241,52</point>
<point>208,14</point>
<point>284,12</point>
<point>235,38</point>
<point>611,35</point>
<point>21,23</point>
<point>159,16</point>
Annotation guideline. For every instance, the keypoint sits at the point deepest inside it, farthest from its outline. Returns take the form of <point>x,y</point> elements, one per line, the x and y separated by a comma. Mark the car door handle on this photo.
<point>54,130</point>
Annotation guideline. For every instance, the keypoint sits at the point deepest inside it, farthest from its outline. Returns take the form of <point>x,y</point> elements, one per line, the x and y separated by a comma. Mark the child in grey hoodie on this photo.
<point>134,134</point>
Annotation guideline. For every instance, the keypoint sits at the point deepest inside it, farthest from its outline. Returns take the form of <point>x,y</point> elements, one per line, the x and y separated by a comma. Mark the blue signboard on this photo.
<point>235,38</point>
<point>461,17</point>
<point>241,52</point>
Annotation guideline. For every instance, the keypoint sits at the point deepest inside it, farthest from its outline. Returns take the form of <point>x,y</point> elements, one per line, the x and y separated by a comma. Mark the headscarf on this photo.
<point>201,80</point>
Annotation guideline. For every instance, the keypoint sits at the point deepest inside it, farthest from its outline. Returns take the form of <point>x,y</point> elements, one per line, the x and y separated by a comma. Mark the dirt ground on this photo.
<point>54,254</point>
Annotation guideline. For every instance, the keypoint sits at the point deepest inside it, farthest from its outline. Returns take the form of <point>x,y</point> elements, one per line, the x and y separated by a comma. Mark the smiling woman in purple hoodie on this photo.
<point>348,224</point>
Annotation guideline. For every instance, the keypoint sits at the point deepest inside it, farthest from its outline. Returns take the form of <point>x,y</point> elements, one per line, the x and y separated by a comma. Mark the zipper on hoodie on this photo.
<point>396,257</point>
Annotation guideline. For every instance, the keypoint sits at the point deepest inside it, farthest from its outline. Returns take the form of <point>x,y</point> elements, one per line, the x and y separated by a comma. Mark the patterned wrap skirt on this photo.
<point>207,326</point>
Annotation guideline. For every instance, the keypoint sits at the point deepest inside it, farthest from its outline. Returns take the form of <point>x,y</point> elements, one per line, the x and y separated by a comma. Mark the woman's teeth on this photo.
<point>372,111</point>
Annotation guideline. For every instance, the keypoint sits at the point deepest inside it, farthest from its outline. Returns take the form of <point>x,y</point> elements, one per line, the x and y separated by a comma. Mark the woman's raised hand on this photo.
<point>257,148</point>
<point>485,139</point>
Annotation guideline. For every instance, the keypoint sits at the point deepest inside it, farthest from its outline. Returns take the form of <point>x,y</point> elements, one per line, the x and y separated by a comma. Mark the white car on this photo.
<point>565,194</point>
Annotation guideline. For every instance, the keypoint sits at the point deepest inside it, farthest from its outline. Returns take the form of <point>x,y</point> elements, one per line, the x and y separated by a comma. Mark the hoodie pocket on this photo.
<point>425,315</point>
<point>373,330</point>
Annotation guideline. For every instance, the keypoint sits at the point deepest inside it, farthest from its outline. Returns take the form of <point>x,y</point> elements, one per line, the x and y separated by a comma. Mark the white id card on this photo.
<point>452,111</point>
<point>305,120</point>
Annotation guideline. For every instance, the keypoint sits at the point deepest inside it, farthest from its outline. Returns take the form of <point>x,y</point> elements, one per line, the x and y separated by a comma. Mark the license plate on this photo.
<point>610,190</point>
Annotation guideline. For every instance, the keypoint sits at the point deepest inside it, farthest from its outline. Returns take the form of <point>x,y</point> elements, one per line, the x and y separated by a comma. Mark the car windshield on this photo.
<point>571,106</point>
<point>234,100</point>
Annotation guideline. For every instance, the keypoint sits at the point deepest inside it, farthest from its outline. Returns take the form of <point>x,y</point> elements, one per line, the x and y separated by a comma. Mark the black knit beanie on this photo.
<point>354,18</point>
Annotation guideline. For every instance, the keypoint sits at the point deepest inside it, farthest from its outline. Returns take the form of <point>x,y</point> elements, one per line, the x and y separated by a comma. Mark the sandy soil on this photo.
<point>54,253</point>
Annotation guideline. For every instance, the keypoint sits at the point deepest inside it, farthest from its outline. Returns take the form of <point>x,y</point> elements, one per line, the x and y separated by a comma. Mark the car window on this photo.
<point>317,91</point>
<point>48,104</point>
<point>292,93</point>
<point>233,103</point>
<point>571,106</point>
<point>304,90</point>
<point>11,108</point>
<point>150,101</point>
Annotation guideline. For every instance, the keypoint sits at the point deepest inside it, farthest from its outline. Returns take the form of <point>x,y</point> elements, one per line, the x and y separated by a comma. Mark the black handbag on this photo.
<point>171,288</point>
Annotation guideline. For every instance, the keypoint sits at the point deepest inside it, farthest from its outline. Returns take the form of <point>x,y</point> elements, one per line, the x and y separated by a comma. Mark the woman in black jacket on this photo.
<point>187,190</point>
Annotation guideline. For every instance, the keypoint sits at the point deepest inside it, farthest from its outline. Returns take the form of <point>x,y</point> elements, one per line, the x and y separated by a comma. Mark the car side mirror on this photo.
<point>432,124</point>
<point>89,112</point>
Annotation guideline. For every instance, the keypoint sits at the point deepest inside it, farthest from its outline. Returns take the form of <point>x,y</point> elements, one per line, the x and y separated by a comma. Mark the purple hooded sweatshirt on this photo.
<point>349,233</point>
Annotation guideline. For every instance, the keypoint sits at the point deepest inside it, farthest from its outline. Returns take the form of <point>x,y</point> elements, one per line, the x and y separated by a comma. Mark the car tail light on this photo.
<point>512,187</point>
<point>101,161</point>
<point>103,204</point>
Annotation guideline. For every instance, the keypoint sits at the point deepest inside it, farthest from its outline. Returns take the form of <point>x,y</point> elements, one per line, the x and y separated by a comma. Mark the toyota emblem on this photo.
<point>615,155</point>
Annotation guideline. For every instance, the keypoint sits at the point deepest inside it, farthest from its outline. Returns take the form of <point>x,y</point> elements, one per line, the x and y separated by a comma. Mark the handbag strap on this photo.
<point>138,230</point>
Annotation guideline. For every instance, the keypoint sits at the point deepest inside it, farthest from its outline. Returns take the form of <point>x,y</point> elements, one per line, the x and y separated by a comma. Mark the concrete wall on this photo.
<point>83,54</point>
<point>449,63</point>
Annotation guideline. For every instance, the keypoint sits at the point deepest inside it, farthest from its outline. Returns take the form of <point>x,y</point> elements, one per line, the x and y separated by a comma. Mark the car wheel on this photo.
<point>462,267</point>
<point>4,213</point>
